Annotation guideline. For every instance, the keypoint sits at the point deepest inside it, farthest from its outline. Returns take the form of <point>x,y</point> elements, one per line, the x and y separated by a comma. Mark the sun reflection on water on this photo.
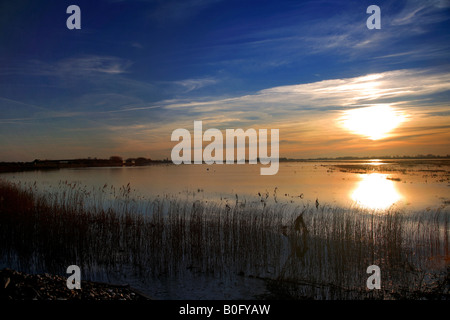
<point>374,191</point>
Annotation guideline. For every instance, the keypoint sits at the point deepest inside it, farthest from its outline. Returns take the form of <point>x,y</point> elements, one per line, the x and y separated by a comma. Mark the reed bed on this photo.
<point>304,252</point>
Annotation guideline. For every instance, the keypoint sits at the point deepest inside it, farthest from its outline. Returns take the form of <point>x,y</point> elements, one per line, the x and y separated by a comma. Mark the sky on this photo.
<point>139,69</point>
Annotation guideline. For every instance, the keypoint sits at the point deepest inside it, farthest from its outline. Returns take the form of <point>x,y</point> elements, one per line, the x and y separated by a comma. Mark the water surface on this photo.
<point>379,184</point>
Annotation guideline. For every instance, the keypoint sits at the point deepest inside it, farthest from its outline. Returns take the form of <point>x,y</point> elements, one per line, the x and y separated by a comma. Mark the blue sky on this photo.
<point>137,70</point>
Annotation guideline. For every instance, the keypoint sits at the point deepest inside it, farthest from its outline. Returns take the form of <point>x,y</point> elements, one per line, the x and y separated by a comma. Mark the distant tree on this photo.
<point>142,161</point>
<point>115,159</point>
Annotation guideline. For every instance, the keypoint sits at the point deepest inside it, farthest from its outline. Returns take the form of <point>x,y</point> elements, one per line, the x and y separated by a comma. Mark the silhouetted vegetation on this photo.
<point>113,161</point>
<point>312,252</point>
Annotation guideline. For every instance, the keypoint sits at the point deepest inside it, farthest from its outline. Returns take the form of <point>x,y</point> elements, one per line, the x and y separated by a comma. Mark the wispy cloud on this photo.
<point>331,94</point>
<point>194,84</point>
<point>306,114</point>
<point>82,66</point>
<point>419,12</point>
<point>94,64</point>
<point>343,34</point>
<point>408,89</point>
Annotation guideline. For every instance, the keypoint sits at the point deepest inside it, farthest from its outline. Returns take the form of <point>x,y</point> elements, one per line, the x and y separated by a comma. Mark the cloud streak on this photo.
<point>194,84</point>
<point>79,66</point>
<point>307,115</point>
<point>342,34</point>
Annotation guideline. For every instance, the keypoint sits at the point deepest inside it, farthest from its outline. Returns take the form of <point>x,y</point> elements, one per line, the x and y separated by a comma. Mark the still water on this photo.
<point>409,185</point>
<point>375,184</point>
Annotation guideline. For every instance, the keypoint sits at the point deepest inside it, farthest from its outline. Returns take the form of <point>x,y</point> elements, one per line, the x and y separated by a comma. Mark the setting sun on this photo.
<point>373,122</point>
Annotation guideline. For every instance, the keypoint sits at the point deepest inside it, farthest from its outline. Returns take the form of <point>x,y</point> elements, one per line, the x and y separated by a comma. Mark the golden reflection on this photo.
<point>374,191</point>
<point>376,162</point>
<point>373,122</point>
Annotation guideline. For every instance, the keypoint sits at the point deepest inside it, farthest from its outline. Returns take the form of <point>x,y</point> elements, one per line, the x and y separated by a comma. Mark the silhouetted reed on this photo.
<point>304,252</point>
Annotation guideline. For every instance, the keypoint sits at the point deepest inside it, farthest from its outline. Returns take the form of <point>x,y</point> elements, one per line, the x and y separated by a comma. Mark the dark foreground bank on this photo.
<point>15,285</point>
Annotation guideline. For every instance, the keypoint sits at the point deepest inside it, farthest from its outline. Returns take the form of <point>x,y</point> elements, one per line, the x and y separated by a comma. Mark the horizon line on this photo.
<point>417,156</point>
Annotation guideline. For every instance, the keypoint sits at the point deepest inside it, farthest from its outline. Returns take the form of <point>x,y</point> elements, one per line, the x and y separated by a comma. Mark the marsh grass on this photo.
<point>304,252</point>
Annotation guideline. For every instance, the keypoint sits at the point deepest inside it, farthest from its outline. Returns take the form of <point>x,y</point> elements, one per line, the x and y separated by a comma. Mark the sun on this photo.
<point>373,122</point>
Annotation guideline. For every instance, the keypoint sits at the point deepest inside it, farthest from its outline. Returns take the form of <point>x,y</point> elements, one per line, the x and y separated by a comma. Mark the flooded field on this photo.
<point>409,184</point>
<point>225,232</point>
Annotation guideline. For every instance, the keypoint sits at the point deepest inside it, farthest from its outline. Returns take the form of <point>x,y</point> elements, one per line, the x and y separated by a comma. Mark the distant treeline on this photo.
<point>114,161</point>
<point>419,156</point>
